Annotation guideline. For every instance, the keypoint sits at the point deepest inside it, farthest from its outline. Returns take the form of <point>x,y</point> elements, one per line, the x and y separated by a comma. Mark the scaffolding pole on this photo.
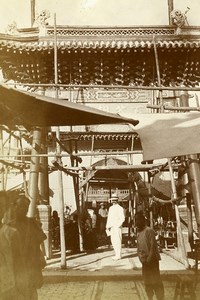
<point>181,245</point>
<point>180,240</point>
<point>58,151</point>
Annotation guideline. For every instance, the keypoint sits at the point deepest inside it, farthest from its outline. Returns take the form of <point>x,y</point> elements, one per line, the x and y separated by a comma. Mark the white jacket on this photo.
<point>115,216</point>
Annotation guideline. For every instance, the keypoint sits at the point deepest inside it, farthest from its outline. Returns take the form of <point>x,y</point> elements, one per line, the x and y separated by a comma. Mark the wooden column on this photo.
<point>183,182</point>
<point>61,202</point>
<point>190,223</point>
<point>76,192</point>
<point>43,175</point>
<point>44,207</point>
<point>194,170</point>
<point>194,177</point>
<point>34,172</point>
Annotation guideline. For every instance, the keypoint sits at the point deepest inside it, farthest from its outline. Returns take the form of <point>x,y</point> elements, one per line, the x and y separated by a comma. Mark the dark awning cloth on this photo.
<point>28,109</point>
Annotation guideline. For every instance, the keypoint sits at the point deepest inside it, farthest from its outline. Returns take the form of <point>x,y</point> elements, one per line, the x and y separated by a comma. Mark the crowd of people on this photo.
<point>93,225</point>
<point>21,237</point>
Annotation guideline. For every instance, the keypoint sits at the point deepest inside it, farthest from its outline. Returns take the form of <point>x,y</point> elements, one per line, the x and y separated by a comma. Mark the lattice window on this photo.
<point>111,32</point>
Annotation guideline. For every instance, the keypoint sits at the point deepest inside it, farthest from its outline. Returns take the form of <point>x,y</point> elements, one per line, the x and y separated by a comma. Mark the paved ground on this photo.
<point>99,290</point>
<point>103,290</point>
<point>96,276</point>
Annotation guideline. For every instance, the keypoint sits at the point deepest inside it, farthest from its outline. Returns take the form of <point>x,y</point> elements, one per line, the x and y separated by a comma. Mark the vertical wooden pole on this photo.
<point>61,201</point>
<point>44,208</point>
<point>34,172</point>
<point>170,9</point>
<point>194,171</point>
<point>58,151</point>
<point>76,191</point>
<point>43,175</point>
<point>32,12</point>
<point>149,189</point>
<point>158,75</point>
<point>130,205</point>
<point>180,241</point>
<point>194,176</point>
<point>1,165</point>
<point>181,245</point>
<point>190,224</point>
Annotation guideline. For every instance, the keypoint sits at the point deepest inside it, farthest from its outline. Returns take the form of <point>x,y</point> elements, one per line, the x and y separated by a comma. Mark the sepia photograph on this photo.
<point>99,149</point>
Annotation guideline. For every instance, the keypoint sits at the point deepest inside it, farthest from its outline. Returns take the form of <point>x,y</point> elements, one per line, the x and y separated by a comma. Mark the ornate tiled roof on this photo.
<point>102,56</point>
<point>98,38</point>
<point>39,45</point>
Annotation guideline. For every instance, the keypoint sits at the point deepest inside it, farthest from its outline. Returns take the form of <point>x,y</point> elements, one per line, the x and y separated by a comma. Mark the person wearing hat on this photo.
<point>149,257</point>
<point>114,225</point>
<point>102,214</point>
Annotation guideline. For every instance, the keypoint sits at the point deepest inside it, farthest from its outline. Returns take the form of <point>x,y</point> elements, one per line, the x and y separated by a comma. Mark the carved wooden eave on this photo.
<point>88,136</point>
<point>111,142</point>
<point>107,56</point>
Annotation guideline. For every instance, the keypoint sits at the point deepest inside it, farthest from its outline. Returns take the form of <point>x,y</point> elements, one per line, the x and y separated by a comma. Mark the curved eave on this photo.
<point>108,136</point>
<point>102,38</point>
<point>97,44</point>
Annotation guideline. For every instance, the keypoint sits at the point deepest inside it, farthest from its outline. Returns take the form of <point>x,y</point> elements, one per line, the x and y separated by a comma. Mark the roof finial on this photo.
<point>179,19</point>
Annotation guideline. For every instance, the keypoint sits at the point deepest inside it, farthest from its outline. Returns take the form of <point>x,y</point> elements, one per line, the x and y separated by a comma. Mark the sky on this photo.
<point>97,12</point>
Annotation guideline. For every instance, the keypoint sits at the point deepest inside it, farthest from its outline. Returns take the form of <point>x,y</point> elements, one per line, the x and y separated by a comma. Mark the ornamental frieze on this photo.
<point>96,95</point>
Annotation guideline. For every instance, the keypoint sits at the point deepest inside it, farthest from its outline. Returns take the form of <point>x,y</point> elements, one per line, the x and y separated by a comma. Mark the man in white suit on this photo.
<point>114,224</point>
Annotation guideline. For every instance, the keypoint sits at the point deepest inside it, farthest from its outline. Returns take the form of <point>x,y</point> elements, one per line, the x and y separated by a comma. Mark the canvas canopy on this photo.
<point>168,135</point>
<point>23,108</point>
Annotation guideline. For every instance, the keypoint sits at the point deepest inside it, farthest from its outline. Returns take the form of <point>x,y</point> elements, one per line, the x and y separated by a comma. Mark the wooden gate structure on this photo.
<point>117,69</point>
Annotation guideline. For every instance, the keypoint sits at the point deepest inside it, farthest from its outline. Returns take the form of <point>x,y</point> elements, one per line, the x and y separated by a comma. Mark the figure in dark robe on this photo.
<point>21,260</point>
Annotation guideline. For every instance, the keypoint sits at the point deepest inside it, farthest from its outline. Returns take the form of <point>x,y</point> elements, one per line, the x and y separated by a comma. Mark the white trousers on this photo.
<point>116,240</point>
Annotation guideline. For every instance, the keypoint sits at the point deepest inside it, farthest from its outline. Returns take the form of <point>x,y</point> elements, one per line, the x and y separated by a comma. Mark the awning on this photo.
<point>22,108</point>
<point>168,135</point>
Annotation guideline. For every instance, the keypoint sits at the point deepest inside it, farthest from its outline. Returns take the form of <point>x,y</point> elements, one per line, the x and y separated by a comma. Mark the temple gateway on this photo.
<point>71,99</point>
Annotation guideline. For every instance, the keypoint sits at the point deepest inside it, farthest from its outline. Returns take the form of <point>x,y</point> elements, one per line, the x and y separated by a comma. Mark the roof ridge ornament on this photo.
<point>41,20</point>
<point>12,28</point>
<point>179,19</point>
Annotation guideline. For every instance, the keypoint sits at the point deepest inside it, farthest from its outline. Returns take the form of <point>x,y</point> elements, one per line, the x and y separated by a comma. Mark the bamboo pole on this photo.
<point>150,193</point>
<point>183,108</point>
<point>190,224</point>
<point>61,202</point>
<point>58,150</point>
<point>107,86</point>
<point>88,182</point>
<point>23,163</point>
<point>181,245</point>
<point>76,191</point>
<point>32,12</point>
<point>194,173</point>
<point>170,9</point>
<point>75,154</point>
<point>180,240</point>
<point>130,204</point>
<point>6,169</point>
<point>1,165</point>
<point>194,176</point>
<point>158,75</point>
